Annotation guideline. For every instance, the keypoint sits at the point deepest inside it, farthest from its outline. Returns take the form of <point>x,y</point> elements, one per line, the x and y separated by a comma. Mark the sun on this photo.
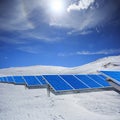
<point>57,6</point>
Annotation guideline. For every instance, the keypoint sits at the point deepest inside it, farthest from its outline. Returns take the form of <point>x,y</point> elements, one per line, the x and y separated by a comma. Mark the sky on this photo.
<point>58,32</point>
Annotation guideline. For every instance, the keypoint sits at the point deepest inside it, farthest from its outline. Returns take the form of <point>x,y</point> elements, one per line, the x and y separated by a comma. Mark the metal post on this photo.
<point>25,87</point>
<point>48,91</point>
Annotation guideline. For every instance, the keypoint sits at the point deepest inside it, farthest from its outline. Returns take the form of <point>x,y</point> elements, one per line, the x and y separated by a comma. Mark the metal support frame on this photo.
<point>48,90</point>
<point>114,84</point>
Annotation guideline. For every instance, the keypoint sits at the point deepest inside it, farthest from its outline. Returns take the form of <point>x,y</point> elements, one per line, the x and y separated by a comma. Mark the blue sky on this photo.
<point>58,32</point>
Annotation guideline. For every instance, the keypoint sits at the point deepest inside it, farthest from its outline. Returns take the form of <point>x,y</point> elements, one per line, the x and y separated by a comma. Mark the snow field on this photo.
<point>18,103</point>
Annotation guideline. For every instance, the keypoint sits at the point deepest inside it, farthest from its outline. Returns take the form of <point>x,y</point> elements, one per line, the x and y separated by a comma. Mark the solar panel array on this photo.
<point>29,81</point>
<point>75,82</point>
<point>113,75</point>
<point>60,83</point>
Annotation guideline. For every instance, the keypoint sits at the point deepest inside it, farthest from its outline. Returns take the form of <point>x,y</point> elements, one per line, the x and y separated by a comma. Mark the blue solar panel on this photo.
<point>4,79</point>
<point>103,77</point>
<point>114,75</point>
<point>31,81</point>
<point>1,79</point>
<point>91,83</point>
<point>100,80</point>
<point>10,79</point>
<point>18,80</point>
<point>41,80</point>
<point>57,83</point>
<point>61,83</point>
<point>74,82</point>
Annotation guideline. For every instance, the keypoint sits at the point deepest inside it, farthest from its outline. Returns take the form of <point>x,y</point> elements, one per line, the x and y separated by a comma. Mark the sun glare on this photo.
<point>57,6</point>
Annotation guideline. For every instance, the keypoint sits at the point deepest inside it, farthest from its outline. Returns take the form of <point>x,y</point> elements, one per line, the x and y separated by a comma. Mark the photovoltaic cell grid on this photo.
<point>100,79</point>
<point>57,83</point>
<point>7,79</point>
<point>10,79</point>
<point>18,80</point>
<point>32,81</point>
<point>113,75</point>
<point>75,82</point>
<point>1,79</point>
<point>29,81</point>
<point>4,79</point>
<point>60,82</point>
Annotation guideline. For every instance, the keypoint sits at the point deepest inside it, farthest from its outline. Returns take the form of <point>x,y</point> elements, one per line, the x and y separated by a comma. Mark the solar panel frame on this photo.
<point>104,78</point>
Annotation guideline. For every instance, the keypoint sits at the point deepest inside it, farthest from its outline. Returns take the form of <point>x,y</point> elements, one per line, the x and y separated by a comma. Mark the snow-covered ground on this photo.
<point>18,103</point>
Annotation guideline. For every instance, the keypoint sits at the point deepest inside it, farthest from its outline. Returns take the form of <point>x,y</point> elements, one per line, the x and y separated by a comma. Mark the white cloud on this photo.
<point>79,19</point>
<point>41,37</point>
<point>29,49</point>
<point>102,52</point>
<point>16,21</point>
<point>82,4</point>
<point>85,32</point>
<point>15,17</point>
<point>26,17</point>
<point>12,40</point>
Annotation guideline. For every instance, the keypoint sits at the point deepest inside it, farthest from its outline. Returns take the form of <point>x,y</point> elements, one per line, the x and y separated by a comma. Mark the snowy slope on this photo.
<point>107,63</point>
<point>18,103</point>
<point>34,70</point>
<point>112,62</point>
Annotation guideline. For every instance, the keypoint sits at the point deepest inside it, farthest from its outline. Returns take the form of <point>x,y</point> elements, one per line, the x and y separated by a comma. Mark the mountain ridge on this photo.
<point>111,62</point>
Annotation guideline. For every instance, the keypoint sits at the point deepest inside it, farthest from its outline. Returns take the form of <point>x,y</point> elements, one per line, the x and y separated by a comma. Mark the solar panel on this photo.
<point>113,75</point>
<point>61,83</point>
<point>18,80</point>
<point>41,80</point>
<point>75,83</point>
<point>10,79</point>
<point>4,79</point>
<point>99,80</point>
<point>1,79</point>
<point>90,82</point>
<point>57,83</point>
<point>31,81</point>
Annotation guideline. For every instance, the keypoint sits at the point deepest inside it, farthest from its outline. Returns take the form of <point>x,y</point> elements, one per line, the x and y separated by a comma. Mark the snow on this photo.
<point>107,63</point>
<point>19,103</point>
